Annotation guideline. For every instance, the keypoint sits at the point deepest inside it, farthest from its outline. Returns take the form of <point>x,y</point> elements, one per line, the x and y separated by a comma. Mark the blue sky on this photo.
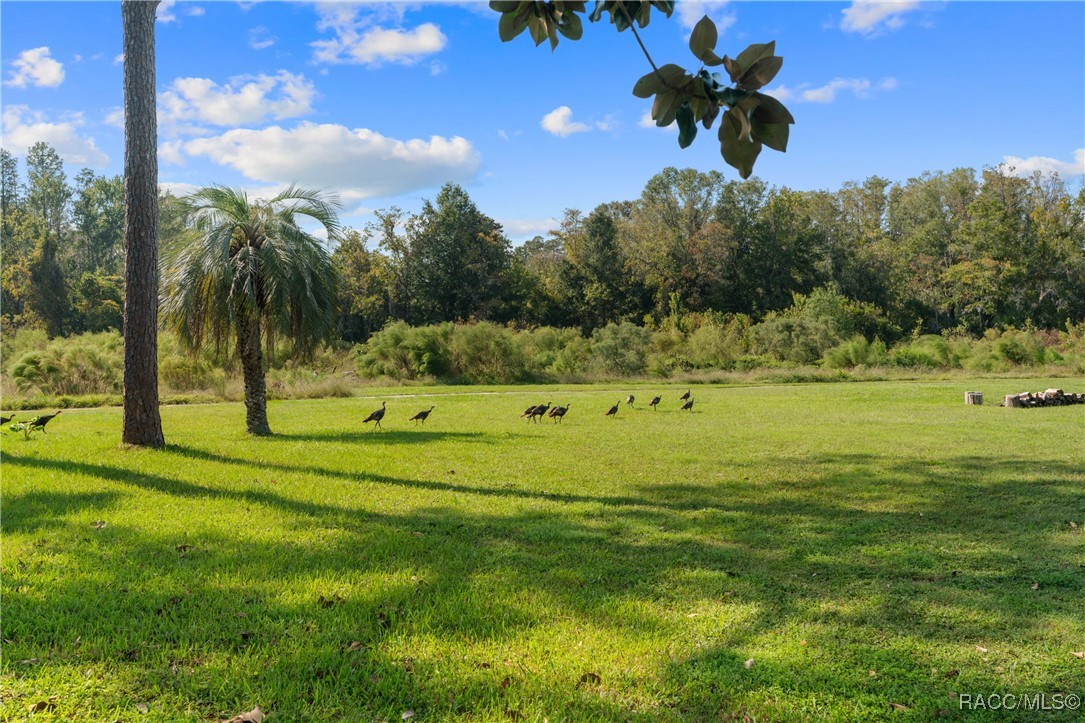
<point>382,103</point>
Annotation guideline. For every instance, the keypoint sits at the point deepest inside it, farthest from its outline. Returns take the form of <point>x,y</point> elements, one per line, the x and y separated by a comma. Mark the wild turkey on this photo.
<point>685,396</point>
<point>5,420</point>
<point>376,416</point>
<point>529,411</point>
<point>629,400</point>
<point>654,402</point>
<point>40,422</point>
<point>421,416</point>
<point>539,411</point>
<point>688,405</point>
<point>558,413</point>
<point>613,410</point>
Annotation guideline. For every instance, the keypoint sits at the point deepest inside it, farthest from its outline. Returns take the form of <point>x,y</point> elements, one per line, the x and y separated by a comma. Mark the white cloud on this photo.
<point>194,10</point>
<point>560,122</point>
<point>35,68</point>
<point>171,152</point>
<point>690,13</point>
<point>871,16</point>
<point>526,228</point>
<point>114,117</point>
<point>177,188</point>
<point>164,12</point>
<point>1016,166</point>
<point>860,87</point>
<point>382,45</point>
<point>244,99</point>
<point>261,38</point>
<point>358,162</point>
<point>23,128</point>
<point>359,38</point>
<point>118,59</point>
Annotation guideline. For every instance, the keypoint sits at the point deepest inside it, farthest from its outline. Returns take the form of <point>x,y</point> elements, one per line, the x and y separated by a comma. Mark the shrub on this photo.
<point>404,352</point>
<point>855,352</point>
<point>486,353</point>
<point>800,340</point>
<point>620,349</point>
<point>82,364</point>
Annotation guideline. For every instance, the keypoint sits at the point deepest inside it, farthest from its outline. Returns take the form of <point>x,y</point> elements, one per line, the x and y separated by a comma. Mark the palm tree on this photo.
<point>244,268</point>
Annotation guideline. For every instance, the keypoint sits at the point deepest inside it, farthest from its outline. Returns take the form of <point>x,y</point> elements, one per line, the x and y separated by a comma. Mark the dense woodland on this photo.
<point>760,273</point>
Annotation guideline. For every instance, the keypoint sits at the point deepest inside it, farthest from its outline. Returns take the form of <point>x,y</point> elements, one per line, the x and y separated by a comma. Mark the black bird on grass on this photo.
<point>688,405</point>
<point>377,416</point>
<point>421,416</point>
<point>654,402</point>
<point>558,413</point>
<point>5,420</point>
<point>629,400</point>
<point>539,411</point>
<point>40,422</point>
<point>529,411</point>
<point>613,410</point>
<point>685,396</point>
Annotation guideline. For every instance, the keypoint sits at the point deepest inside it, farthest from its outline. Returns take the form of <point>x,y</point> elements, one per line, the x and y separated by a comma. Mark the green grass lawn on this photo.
<point>863,544</point>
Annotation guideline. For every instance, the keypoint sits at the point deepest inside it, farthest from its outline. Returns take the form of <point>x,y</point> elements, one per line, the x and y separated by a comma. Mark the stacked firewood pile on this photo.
<point>1048,398</point>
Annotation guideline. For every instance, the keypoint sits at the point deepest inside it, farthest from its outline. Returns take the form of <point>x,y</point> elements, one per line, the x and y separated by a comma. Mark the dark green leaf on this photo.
<point>733,69</point>
<point>773,135</point>
<point>537,26</point>
<point>742,123</point>
<point>710,58</point>
<point>710,115</point>
<point>687,125</point>
<point>504,6</point>
<point>511,25</point>
<point>699,106</point>
<point>648,85</point>
<point>704,37</point>
<point>770,110</point>
<point>737,153</point>
<point>761,73</point>
<point>665,107</point>
<point>754,53</point>
<point>571,26</point>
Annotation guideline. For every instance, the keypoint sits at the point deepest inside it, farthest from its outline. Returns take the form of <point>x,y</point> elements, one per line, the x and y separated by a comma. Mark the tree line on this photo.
<point>960,251</point>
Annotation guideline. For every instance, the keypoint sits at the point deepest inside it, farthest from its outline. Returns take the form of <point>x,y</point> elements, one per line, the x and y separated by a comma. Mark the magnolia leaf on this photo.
<point>704,37</point>
<point>253,716</point>
<point>710,58</point>
<point>742,122</point>
<point>770,110</point>
<point>687,125</point>
<point>710,115</point>
<point>699,106</point>
<point>754,53</point>
<point>504,6</point>
<point>512,23</point>
<point>773,135</point>
<point>571,26</point>
<point>737,153</point>
<point>538,29</point>
<point>649,84</point>
<point>733,69</point>
<point>761,73</point>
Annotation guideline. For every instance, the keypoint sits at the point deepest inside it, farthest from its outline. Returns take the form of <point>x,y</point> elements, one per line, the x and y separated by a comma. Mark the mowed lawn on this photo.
<point>861,551</point>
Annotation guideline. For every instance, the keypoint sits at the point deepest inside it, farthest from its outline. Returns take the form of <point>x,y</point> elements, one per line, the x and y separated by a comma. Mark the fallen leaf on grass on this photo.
<point>99,524</point>
<point>31,661</point>
<point>951,673</point>
<point>253,716</point>
<point>418,533</point>
<point>589,679</point>
<point>43,705</point>
<point>898,706</point>
<point>506,682</point>
<point>354,647</point>
<point>802,642</point>
<point>247,634</point>
<point>1079,655</point>
<point>749,663</point>
<point>407,715</point>
<point>183,548</point>
<point>873,674</point>
<point>143,708</point>
<point>1035,586</point>
<point>981,649</point>
<point>1073,525</point>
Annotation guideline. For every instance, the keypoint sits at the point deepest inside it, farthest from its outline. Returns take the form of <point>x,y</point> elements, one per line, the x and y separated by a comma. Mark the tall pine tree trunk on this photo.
<point>142,421</point>
<point>252,367</point>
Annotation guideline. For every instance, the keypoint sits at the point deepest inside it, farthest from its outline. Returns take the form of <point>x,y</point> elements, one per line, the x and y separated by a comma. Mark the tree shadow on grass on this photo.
<point>871,581</point>
<point>378,436</point>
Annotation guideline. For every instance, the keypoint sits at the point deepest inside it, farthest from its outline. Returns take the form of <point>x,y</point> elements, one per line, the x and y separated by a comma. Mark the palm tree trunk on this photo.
<point>142,422</point>
<point>249,348</point>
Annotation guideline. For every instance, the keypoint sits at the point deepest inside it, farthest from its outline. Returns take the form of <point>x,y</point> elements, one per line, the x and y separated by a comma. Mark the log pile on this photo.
<point>1047,398</point>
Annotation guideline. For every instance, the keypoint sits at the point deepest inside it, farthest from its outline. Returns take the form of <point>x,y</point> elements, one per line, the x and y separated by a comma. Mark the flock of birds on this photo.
<point>37,423</point>
<point>535,412</point>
